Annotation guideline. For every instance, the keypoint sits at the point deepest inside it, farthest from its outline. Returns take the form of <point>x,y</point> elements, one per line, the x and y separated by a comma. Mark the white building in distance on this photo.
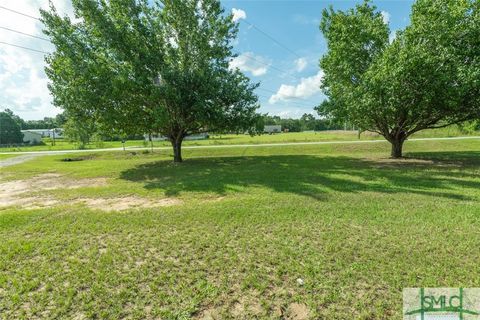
<point>31,137</point>
<point>272,128</point>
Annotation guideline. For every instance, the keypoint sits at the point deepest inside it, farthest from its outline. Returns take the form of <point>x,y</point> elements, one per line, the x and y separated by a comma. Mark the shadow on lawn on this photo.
<point>432,174</point>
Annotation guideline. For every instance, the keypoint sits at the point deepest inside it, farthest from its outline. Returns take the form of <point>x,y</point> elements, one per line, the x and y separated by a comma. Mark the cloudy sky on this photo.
<point>279,45</point>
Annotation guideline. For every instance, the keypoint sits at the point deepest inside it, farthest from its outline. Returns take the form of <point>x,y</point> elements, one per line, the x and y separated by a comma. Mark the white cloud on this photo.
<point>385,17</point>
<point>248,62</point>
<point>300,64</point>
<point>306,88</point>
<point>238,14</point>
<point>23,82</point>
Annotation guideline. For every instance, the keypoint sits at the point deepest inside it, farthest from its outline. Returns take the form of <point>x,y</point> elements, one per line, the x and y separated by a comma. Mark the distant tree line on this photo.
<point>9,129</point>
<point>46,123</point>
<point>306,123</point>
<point>84,131</point>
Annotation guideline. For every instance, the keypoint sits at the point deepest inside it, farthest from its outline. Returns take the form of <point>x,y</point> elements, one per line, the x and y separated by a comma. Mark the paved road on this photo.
<point>27,155</point>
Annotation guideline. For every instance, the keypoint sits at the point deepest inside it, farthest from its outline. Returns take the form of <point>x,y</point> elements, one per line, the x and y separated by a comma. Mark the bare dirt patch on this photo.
<point>125,203</point>
<point>244,305</point>
<point>29,202</point>
<point>209,314</point>
<point>19,193</point>
<point>298,311</point>
<point>48,181</point>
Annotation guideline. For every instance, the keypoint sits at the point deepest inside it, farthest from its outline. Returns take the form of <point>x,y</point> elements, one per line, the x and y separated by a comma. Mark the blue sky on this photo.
<point>289,76</point>
<point>295,24</point>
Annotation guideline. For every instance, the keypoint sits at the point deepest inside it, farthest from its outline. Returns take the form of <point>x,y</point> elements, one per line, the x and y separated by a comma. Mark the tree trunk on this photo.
<point>397,145</point>
<point>177,149</point>
<point>151,141</point>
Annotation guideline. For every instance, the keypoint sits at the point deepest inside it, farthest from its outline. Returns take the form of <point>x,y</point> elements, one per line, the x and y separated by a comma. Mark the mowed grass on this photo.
<point>6,156</point>
<point>226,139</point>
<point>353,225</point>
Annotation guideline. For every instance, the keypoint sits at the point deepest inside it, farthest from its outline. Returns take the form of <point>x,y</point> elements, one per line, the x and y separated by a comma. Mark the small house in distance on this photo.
<point>31,137</point>
<point>272,128</point>
<point>48,133</point>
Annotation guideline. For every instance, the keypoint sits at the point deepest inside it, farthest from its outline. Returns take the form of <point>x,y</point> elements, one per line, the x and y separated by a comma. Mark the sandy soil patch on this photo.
<point>18,193</point>
<point>210,314</point>
<point>28,202</point>
<point>298,311</point>
<point>244,305</point>
<point>47,181</point>
<point>125,203</point>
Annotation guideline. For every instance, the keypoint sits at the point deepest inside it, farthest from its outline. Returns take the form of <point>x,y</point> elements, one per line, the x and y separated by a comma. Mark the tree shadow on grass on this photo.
<point>465,159</point>
<point>311,176</point>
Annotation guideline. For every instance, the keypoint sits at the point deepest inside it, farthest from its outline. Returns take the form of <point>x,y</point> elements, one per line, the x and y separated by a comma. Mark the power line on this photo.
<point>271,38</point>
<point>20,13</point>
<point>17,46</point>
<point>270,66</point>
<point>245,20</point>
<point>274,92</point>
<point>298,102</point>
<point>280,70</point>
<point>246,55</point>
<point>292,103</point>
<point>266,90</point>
<point>25,34</point>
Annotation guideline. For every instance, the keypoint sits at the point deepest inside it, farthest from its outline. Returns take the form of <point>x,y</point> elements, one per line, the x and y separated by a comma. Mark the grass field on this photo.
<point>215,139</point>
<point>6,156</point>
<point>291,232</point>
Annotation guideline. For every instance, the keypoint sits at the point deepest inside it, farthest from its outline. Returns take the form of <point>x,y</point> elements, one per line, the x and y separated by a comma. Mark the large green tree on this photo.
<point>9,129</point>
<point>427,77</point>
<point>141,67</point>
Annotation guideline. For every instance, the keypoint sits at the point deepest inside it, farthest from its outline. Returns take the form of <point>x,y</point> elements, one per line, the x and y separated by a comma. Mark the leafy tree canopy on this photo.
<point>137,67</point>
<point>427,77</point>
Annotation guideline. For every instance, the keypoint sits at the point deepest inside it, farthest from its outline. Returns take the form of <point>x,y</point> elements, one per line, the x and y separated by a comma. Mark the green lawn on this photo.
<point>353,225</point>
<point>215,139</point>
<point>6,156</point>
